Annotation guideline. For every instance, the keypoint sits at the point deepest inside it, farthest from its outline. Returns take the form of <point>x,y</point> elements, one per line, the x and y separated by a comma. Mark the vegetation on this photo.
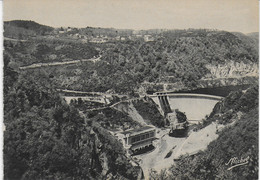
<point>180,116</point>
<point>45,51</point>
<point>238,101</point>
<point>24,29</point>
<point>240,140</point>
<point>112,119</point>
<point>84,105</point>
<point>116,158</point>
<point>232,107</point>
<point>149,111</point>
<point>47,139</point>
<point>179,56</point>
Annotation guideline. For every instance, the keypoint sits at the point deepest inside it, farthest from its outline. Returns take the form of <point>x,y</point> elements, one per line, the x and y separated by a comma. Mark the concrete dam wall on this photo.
<point>195,106</point>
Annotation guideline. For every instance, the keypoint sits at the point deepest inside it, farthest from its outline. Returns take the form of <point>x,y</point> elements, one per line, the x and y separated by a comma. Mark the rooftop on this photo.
<point>144,128</point>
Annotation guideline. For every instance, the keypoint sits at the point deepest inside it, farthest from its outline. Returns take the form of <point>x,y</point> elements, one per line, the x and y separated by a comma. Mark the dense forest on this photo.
<point>38,51</point>
<point>23,29</point>
<point>149,111</point>
<point>45,138</point>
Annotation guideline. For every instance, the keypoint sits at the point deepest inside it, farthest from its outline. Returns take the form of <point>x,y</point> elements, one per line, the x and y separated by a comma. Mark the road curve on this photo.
<point>39,65</point>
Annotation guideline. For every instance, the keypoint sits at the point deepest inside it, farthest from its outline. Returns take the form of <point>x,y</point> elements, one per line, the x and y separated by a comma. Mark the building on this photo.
<point>178,123</point>
<point>137,139</point>
<point>174,122</point>
<point>148,38</point>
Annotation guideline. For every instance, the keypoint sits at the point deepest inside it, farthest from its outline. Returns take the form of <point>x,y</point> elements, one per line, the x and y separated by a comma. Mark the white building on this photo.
<point>137,139</point>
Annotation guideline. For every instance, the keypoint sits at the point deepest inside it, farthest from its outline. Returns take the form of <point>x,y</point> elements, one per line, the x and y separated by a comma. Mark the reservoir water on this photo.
<point>195,106</point>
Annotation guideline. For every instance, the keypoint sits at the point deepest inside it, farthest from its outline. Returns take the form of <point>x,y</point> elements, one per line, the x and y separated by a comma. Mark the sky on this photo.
<point>230,15</point>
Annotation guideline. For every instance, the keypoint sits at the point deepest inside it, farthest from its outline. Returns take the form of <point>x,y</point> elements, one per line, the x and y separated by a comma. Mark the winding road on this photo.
<point>39,65</point>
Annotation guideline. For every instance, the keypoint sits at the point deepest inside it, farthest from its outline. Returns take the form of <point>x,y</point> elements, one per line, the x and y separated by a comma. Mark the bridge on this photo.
<point>195,106</point>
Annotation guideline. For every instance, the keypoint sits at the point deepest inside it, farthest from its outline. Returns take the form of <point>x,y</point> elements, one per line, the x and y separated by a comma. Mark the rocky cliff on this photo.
<point>229,74</point>
<point>232,69</point>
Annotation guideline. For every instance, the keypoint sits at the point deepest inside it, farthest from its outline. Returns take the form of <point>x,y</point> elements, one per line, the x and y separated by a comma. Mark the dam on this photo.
<point>195,106</point>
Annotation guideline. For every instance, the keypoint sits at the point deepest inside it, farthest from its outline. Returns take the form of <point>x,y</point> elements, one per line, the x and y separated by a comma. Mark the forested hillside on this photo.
<point>45,138</point>
<point>149,111</point>
<point>236,104</point>
<point>24,29</point>
<point>45,51</point>
<point>182,58</point>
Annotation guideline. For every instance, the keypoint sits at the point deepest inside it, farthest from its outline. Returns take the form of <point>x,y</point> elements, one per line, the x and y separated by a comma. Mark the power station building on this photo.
<point>137,139</point>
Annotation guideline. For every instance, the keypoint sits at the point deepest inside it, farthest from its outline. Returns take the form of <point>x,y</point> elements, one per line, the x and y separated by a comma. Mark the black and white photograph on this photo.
<point>130,90</point>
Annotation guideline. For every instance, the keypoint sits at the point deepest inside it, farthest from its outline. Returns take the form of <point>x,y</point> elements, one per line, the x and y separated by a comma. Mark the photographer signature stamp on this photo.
<point>235,162</point>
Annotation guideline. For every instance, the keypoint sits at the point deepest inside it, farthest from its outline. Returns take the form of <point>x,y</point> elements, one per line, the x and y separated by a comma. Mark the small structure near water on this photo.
<point>178,123</point>
<point>175,119</point>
